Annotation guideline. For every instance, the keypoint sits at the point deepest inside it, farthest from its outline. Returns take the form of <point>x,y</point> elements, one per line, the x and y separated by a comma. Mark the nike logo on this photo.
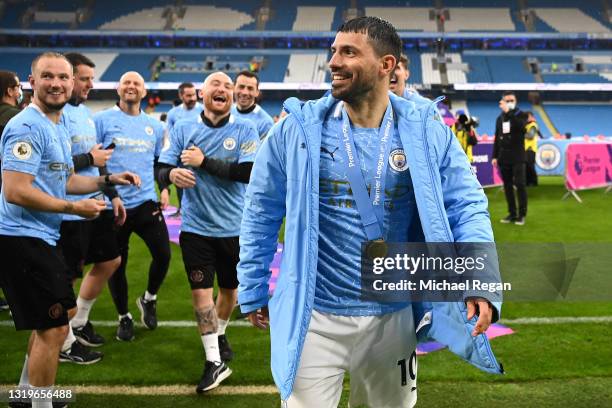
<point>331,154</point>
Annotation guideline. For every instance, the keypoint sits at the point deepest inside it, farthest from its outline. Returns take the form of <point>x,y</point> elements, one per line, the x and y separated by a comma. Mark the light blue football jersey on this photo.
<point>213,208</point>
<point>138,141</point>
<point>82,133</point>
<point>263,122</point>
<point>33,144</point>
<point>341,231</point>
<point>180,112</point>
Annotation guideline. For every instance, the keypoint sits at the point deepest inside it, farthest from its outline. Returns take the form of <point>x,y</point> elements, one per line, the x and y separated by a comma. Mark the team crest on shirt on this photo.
<point>22,150</point>
<point>91,122</point>
<point>397,160</point>
<point>229,143</point>
<point>149,130</point>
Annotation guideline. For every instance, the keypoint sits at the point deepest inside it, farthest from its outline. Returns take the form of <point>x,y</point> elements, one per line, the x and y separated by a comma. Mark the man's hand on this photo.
<point>125,178</point>
<point>260,318</point>
<point>483,308</point>
<point>494,162</point>
<point>119,211</point>
<point>192,156</point>
<point>182,178</point>
<point>164,198</point>
<point>100,156</point>
<point>87,208</point>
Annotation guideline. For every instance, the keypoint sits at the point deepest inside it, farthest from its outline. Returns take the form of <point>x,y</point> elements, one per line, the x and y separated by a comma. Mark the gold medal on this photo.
<point>377,249</point>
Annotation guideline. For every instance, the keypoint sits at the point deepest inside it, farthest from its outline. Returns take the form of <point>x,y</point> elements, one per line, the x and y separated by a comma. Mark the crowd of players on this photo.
<point>76,185</point>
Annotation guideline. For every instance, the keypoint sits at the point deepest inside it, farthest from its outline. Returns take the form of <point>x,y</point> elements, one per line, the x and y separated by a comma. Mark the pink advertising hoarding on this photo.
<point>588,165</point>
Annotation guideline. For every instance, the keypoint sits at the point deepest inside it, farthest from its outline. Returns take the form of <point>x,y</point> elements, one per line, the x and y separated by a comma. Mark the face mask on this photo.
<point>511,105</point>
<point>20,97</point>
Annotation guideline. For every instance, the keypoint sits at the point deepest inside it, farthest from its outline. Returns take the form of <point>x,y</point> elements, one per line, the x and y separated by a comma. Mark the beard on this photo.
<point>190,104</point>
<point>355,91</point>
<point>54,107</point>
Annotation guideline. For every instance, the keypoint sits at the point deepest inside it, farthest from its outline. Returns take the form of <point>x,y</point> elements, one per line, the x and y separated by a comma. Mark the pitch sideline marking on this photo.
<point>162,390</point>
<point>244,323</point>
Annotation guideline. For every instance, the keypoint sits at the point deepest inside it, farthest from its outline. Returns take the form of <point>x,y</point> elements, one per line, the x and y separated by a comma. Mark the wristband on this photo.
<point>107,180</point>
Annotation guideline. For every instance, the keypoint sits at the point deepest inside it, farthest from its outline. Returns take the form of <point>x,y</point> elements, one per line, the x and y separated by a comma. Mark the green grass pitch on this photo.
<point>548,365</point>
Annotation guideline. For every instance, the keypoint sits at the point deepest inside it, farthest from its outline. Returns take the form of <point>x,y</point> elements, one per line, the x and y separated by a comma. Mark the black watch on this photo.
<point>107,180</point>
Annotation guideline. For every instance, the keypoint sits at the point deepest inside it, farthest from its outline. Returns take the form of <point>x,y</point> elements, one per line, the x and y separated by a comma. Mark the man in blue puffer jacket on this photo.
<point>313,169</point>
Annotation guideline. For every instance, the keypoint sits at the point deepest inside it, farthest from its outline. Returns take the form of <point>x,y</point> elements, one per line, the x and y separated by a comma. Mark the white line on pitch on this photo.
<point>244,323</point>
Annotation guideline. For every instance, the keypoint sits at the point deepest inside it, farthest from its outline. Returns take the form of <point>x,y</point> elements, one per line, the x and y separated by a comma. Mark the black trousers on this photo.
<point>513,175</point>
<point>531,177</point>
<point>148,223</point>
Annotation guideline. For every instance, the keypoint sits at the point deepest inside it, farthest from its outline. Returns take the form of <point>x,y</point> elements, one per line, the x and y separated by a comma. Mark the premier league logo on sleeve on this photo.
<point>397,160</point>
<point>22,150</point>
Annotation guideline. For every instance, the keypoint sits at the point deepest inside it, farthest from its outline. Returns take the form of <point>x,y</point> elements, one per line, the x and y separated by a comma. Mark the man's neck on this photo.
<point>132,109</point>
<point>53,116</point>
<point>215,118</point>
<point>74,101</point>
<point>248,109</point>
<point>368,112</point>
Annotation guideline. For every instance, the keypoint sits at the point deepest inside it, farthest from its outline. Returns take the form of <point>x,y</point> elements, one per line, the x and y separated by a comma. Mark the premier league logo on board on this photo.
<point>548,156</point>
<point>397,160</point>
<point>229,143</point>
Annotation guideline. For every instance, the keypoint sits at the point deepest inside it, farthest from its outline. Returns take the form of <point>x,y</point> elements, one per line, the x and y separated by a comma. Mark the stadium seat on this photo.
<point>314,18</point>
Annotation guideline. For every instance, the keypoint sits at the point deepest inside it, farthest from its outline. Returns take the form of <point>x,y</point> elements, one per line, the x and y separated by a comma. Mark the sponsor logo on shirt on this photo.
<point>22,150</point>
<point>229,143</point>
<point>397,160</point>
<point>248,147</point>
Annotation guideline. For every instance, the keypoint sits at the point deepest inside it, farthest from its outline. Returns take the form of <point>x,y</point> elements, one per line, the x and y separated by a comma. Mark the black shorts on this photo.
<point>35,280</point>
<point>88,241</point>
<point>203,256</point>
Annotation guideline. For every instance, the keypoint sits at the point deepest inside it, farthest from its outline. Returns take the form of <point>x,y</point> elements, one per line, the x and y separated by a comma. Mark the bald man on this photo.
<point>137,139</point>
<point>212,161</point>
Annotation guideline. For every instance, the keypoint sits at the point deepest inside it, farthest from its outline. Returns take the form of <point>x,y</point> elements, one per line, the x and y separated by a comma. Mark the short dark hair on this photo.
<point>247,74</point>
<point>508,93</point>
<point>77,59</point>
<point>381,34</point>
<point>7,81</point>
<point>184,85</point>
<point>48,54</point>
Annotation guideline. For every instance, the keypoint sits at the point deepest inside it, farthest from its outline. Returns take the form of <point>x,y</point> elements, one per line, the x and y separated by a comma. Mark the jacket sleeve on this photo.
<point>264,209</point>
<point>466,208</point>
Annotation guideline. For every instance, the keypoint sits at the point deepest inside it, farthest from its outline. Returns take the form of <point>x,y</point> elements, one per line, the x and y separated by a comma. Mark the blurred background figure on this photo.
<point>464,130</point>
<point>532,134</point>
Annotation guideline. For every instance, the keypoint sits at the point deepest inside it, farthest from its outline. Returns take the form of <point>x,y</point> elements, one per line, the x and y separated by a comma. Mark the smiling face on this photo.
<point>354,65</point>
<point>52,82</point>
<point>217,93</point>
<point>246,92</point>
<point>398,80</point>
<point>131,88</point>
<point>83,82</point>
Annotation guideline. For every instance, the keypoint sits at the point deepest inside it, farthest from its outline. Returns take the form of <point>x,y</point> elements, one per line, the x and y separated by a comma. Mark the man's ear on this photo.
<point>388,65</point>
